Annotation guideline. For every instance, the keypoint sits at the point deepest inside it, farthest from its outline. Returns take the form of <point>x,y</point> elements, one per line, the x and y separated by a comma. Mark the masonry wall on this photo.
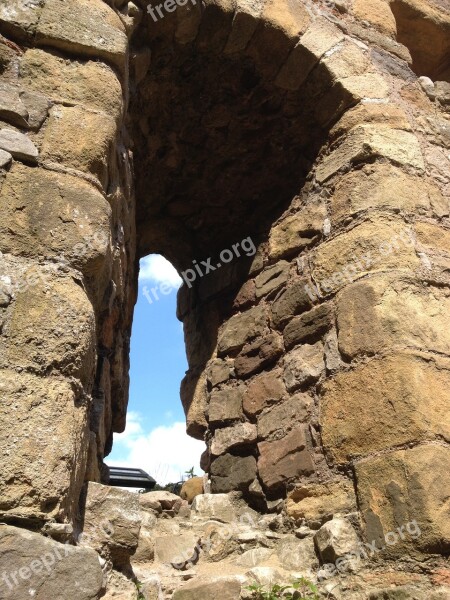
<point>318,368</point>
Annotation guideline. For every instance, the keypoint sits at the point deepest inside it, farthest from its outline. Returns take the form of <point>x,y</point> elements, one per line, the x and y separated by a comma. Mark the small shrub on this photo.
<point>300,589</point>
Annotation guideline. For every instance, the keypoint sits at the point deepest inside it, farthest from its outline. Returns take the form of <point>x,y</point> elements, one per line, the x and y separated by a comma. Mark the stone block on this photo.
<point>46,568</point>
<point>365,142</point>
<point>225,405</point>
<point>18,145</point>
<point>398,399</point>
<point>345,61</point>
<point>191,488</point>
<point>5,159</point>
<point>284,416</point>
<point>303,365</point>
<point>225,588</point>
<point>54,215</point>
<point>112,521</point>
<point>298,231</point>
<point>297,555</point>
<point>262,391</point>
<point>91,84</point>
<point>217,507</point>
<point>309,326</point>
<point>219,371</point>
<point>237,435</point>
<point>285,459</point>
<point>19,18</point>
<point>295,299</point>
<point>194,398</point>
<point>318,502</point>
<point>335,539</point>
<point>377,13</point>
<point>12,109</point>
<point>230,473</point>
<point>272,278</point>
<point>80,139</point>
<point>83,27</point>
<point>240,329</point>
<point>406,490</point>
<point>42,478</point>
<point>433,236</point>
<point>374,245</point>
<point>258,354</point>
<point>176,550</point>
<point>383,312</point>
<point>165,500</point>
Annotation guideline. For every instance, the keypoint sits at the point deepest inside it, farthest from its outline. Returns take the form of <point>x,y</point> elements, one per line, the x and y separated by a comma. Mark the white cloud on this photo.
<point>156,270</point>
<point>166,452</point>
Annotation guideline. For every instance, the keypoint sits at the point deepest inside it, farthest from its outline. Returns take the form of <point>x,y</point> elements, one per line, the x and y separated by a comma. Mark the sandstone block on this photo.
<point>297,231</point>
<point>49,569</point>
<point>37,107</point>
<point>285,459</point>
<point>219,371</point>
<point>226,438</point>
<point>191,489</point>
<point>377,13</point>
<point>54,215</point>
<point>92,84</point>
<point>272,278</point>
<point>112,520</point>
<point>284,416</point>
<point>166,500</point>
<point>262,391</point>
<point>297,555</point>
<point>176,550</point>
<point>376,244</point>
<point>42,478</point>
<point>225,405</point>
<point>12,109</point>
<point>293,300</point>
<point>406,489</point>
<point>320,501</point>
<point>83,27</point>
<point>80,139</point>
<point>230,473</point>
<point>259,354</point>
<point>336,538</point>
<point>381,186</point>
<point>364,113</point>
<point>18,145</point>
<point>369,141</point>
<point>382,312</point>
<point>308,326</point>
<point>433,236</point>
<point>393,400</point>
<point>347,60</point>
<point>19,17</point>
<point>225,588</point>
<point>5,159</point>
<point>194,398</point>
<point>214,506</point>
<point>241,328</point>
<point>303,365</point>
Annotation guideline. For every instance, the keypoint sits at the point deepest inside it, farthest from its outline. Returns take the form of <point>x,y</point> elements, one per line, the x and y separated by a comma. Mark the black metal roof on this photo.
<point>125,477</point>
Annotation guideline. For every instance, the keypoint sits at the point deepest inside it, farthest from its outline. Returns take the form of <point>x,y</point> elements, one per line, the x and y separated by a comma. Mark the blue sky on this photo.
<point>155,438</point>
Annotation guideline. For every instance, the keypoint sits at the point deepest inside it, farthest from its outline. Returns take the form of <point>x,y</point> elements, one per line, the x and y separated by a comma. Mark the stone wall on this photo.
<point>318,365</point>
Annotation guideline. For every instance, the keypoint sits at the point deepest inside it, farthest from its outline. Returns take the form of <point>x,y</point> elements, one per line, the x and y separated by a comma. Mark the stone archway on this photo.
<point>318,365</point>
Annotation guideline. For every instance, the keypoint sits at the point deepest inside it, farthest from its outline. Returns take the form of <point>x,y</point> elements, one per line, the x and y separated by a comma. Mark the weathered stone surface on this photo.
<point>272,278</point>
<point>241,328</point>
<point>253,557</point>
<point>284,459</point>
<point>92,84</point>
<point>297,231</point>
<point>176,549</point>
<point>292,301</point>
<point>191,489</point>
<point>145,551</point>
<point>166,500</point>
<point>119,587</point>
<point>79,139</point>
<point>230,473</point>
<point>12,108</point>
<point>18,145</point>
<point>368,141</point>
<point>308,326</point>
<point>194,398</point>
<point>37,107</point>
<point>376,244</point>
<point>5,159</point>
<point>377,13</point>
<point>303,365</point>
<point>112,520</point>
<point>219,371</point>
<point>297,555</point>
<point>370,112</point>
<point>225,405</point>
<point>259,354</point>
<point>433,236</point>
<point>226,588</point>
<point>389,401</point>
<point>284,416</point>
<point>86,27</point>
<point>214,506</point>
<point>333,360</point>
<point>320,501</point>
<point>54,215</point>
<point>42,478</point>
<point>226,438</point>
<point>262,391</point>
<point>391,313</point>
<point>380,186</point>
<point>406,489</point>
<point>336,538</point>
<point>35,566</point>
<point>19,17</point>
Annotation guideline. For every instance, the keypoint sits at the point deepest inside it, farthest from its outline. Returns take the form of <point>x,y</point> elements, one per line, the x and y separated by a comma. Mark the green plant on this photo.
<point>139,587</point>
<point>190,474</point>
<point>300,589</point>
